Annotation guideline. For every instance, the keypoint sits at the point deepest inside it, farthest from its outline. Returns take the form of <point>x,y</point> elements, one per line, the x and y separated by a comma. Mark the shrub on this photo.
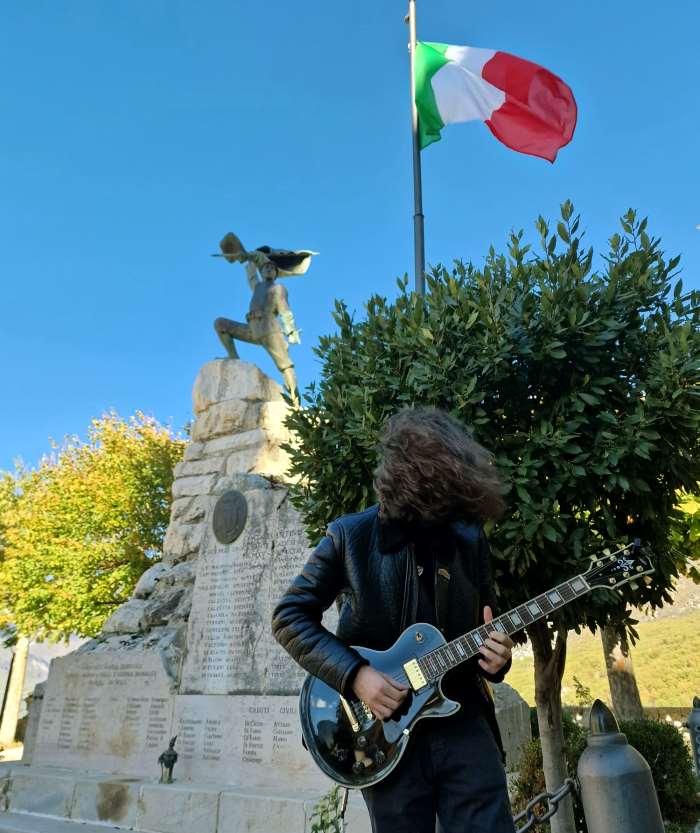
<point>671,767</point>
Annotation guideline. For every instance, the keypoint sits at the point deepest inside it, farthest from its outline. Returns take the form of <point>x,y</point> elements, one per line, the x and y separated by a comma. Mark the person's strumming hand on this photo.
<point>497,649</point>
<point>381,693</point>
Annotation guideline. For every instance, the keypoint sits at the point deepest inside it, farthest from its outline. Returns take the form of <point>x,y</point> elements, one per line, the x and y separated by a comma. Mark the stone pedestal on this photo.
<point>191,654</point>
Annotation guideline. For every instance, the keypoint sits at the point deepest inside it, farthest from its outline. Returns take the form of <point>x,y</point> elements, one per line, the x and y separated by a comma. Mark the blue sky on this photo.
<point>136,134</point>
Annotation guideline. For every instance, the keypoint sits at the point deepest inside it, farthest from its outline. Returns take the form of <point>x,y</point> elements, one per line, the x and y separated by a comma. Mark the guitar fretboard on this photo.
<point>448,656</point>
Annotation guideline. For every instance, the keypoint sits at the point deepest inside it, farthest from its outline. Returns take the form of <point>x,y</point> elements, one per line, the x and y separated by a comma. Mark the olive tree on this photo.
<point>582,381</point>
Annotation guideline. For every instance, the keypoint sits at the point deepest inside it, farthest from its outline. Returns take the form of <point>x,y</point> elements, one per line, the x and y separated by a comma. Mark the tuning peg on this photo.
<point>647,580</point>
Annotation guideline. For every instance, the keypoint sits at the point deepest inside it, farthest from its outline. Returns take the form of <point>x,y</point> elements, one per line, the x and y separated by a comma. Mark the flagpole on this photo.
<point>418,229</point>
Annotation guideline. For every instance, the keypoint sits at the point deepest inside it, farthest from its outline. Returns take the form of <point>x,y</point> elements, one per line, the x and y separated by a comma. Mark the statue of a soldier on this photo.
<point>269,318</point>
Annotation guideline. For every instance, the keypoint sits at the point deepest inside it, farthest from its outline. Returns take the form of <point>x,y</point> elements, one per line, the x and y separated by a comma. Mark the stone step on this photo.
<point>26,823</point>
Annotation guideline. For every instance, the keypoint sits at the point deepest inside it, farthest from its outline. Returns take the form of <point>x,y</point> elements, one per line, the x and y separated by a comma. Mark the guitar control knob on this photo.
<point>358,768</point>
<point>361,742</point>
<point>379,758</point>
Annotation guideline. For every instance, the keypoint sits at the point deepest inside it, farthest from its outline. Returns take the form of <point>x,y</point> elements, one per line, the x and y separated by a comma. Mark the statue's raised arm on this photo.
<point>268,303</point>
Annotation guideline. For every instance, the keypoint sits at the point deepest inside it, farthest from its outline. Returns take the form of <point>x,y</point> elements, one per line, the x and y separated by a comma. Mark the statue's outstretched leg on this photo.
<point>228,330</point>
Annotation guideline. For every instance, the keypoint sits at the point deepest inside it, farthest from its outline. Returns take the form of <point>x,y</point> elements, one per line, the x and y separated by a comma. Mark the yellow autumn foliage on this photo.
<point>77,532</point>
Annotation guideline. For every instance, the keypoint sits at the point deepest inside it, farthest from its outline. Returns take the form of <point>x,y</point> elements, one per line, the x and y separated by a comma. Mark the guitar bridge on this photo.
<point>415,676</point>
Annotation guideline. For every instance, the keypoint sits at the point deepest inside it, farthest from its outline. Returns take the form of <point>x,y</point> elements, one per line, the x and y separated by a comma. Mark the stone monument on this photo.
<point>191,656</point>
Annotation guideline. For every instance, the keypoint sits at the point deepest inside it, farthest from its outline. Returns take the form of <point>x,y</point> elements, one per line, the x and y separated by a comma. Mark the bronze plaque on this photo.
<point>230,516</point>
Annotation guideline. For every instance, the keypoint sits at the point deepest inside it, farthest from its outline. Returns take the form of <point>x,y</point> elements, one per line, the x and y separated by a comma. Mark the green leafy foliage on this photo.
<point>671,767</point>
<point>659,743</point>
<point>583,383</point>
<point>583,693</point>
<point>77,532</point>
<point>325,815</point>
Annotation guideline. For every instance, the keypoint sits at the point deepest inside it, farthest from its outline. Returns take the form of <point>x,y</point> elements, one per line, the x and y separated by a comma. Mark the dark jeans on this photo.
<point>451,770</point>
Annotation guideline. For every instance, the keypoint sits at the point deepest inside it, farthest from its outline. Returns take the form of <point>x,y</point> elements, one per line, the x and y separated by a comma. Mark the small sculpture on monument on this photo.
<point>167,761</point>
<point>268,304</point>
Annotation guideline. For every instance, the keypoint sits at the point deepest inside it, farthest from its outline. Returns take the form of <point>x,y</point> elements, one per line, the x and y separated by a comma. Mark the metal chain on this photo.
<point>549,802</point>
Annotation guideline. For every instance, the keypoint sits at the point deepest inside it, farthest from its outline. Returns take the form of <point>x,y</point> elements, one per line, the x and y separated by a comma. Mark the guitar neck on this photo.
<point>435,663</point>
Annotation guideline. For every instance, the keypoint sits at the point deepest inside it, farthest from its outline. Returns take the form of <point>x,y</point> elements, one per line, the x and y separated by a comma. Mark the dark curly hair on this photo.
<point>431,470</point>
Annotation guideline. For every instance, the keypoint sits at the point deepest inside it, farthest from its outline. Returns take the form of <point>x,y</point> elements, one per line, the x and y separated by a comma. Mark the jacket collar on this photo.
<point>393,535</point>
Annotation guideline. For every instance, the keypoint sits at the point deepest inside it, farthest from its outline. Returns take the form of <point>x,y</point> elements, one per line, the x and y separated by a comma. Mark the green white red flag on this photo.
<point>525,106</point>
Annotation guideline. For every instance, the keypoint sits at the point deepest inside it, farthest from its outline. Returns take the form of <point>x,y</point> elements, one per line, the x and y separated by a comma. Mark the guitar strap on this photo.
<point>442,589</point>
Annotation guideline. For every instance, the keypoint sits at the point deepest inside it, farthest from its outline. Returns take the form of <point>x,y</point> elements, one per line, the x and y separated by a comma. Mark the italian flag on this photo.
<point>525,106</point>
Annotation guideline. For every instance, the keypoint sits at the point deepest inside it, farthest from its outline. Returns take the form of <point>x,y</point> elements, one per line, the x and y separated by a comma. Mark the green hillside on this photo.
<point>666,663</point>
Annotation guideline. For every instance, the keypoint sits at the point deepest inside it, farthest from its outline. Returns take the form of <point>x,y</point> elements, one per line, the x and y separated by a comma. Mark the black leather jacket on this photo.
<point>367,565</point>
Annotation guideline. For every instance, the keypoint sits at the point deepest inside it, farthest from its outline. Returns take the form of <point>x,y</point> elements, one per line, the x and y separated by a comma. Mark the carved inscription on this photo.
<point>105,713</point>
<point>230,645</point>
<point>291,553</point>
<point>245,740</point>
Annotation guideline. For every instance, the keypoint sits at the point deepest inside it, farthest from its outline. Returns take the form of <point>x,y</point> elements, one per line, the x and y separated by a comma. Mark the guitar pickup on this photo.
<point>350,714</point>
<point>415,676</point>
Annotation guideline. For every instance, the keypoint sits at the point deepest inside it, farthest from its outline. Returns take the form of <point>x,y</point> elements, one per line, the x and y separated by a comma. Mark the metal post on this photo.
<point>418,228</point>
<point>617,790</point>
<point>693,725</point>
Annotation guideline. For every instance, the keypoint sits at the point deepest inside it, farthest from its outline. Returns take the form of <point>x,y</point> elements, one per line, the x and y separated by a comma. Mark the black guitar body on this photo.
<point>349,744</point>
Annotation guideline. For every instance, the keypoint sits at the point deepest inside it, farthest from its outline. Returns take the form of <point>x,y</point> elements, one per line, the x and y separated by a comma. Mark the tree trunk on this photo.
<point>15,688</point>
<point>626,702</point>
<point>549,669</point>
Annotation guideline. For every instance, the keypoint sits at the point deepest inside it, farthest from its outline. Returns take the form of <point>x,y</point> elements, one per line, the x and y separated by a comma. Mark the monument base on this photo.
<point>36,796</point>
<point>54,799</point>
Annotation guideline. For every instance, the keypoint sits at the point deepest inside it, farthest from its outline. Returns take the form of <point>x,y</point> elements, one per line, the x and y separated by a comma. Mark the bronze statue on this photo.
<point>268,304</point>
<point>167,761</point>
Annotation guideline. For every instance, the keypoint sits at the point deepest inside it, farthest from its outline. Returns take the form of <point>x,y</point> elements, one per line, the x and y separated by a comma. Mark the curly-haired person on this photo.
<point>419,555</point>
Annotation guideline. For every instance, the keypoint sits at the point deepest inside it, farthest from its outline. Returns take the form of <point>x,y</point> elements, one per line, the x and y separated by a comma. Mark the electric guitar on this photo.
<point>356,749</point>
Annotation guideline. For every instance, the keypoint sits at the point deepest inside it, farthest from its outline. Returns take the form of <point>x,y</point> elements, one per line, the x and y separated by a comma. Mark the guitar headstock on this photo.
<point>621,567</point>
